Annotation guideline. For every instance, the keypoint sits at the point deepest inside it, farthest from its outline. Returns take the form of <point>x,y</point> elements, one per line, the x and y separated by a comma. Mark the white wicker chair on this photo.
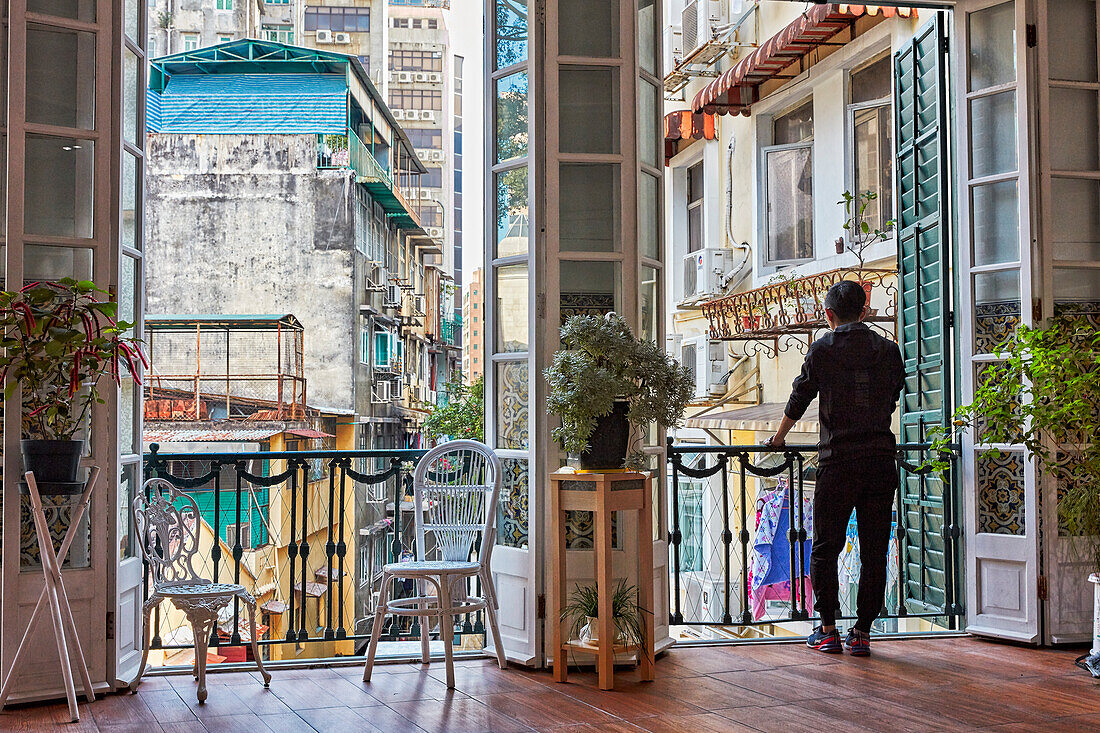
<point>457,485</point>
<point>157,517</point>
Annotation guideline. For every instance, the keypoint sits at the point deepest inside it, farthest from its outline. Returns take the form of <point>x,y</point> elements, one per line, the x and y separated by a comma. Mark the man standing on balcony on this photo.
<point>858,375</point>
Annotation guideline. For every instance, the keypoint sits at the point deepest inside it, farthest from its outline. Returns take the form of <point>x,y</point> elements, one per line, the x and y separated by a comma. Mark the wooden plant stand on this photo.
<point>603,494</point>
<point>54,598</point>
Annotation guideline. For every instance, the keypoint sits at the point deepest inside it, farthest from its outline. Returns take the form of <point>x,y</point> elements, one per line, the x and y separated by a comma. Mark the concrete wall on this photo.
<point>240,224</point>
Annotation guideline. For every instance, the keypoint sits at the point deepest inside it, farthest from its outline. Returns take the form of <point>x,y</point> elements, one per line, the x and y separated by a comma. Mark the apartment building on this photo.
<point>354,27</point>
<point>185,25</point>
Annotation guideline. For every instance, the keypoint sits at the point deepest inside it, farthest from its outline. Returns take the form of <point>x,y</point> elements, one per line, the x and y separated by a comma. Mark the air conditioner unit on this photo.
<point>436,155</point>
<point>391,298</point>
<point>381,391</point>
<point>701,21</point>
<point>420,77</point>
<point>398,114</point>
<point>673,47</point>
<point>341,38</point>
<point>435,233</point>
<point>705,596</point>
<point>435,77</point>
<point>404,77</point>
<point>707,361</point>
<point>427,114</point>
<point>702,270</point>
<point>418,305</point>
<point>425,193</point>
<point>673,342</point>
<point>324,36</point>
<point>376,279</point>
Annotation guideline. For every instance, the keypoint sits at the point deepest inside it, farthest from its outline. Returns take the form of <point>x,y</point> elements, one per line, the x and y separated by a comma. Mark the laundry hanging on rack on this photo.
<point>770,570</point>
<point>849,563</point>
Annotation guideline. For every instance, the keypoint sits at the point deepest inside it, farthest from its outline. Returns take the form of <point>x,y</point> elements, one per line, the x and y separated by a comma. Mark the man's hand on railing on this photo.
<point>774,441</point>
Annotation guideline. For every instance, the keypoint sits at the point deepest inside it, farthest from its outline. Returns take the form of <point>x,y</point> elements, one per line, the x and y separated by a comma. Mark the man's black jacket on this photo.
<point>858,375</point>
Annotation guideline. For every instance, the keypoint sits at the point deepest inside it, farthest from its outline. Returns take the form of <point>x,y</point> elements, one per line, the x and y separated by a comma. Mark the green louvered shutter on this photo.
<point>923,223</point>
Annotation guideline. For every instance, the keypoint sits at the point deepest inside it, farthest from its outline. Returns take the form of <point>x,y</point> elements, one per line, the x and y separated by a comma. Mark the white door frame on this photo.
<point>1002,586</point>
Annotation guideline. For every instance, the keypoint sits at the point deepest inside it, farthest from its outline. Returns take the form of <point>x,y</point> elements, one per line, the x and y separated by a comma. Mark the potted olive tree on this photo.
<point>603,380</point>
<point>1045,394</point>
<point>58,340</point>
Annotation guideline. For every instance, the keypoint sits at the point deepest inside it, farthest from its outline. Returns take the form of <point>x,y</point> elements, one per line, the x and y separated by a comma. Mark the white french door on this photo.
<point>128,633</point>
<point>509,325</point>
<point>1000,496</point>
<point>1067,93</point>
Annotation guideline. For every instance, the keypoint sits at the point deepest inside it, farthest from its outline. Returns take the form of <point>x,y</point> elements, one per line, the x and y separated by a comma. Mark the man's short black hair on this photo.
<point>846,299</point>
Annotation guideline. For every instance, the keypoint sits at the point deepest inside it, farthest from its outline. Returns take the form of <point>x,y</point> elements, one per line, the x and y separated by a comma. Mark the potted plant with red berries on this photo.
<point>59,339</point>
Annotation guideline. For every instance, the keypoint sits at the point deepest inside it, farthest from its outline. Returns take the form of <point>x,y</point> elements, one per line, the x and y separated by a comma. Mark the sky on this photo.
<point>467,38</point>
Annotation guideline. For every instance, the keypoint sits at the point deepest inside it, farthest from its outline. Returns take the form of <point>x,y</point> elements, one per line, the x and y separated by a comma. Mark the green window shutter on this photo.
<point>923,225</point>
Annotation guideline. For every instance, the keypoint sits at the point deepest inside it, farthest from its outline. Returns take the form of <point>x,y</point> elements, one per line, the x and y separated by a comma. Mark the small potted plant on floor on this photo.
<point>603,380</point>
<point>1044,393</point>
<point>582,613</point>
<point>58,340</point>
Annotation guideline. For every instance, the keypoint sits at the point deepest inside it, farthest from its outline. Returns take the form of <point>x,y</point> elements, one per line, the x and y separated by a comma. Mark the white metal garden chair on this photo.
<point>158,516</point>
<point>456,487</point>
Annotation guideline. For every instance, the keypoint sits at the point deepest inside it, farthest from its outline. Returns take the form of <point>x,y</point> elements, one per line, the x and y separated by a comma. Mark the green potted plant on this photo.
<point>858,232</point>
<point>582,613</point>
<point>603,380</point>
<point>1045,395</point>
<point>58,340</point>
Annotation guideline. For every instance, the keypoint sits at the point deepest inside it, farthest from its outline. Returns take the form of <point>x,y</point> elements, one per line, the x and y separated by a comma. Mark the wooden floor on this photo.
<point>915,685</point>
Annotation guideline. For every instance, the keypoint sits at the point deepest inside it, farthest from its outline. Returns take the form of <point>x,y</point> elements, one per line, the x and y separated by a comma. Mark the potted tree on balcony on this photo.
<point>603,380</point>
<point>858,234</point>
<point>59,339</point>
<point>1045,395</point>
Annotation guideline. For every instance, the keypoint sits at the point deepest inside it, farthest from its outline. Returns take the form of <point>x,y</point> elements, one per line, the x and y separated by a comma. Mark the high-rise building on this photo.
<point>473,320</point>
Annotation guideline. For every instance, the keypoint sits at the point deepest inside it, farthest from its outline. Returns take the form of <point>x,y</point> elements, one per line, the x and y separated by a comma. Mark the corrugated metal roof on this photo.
<point>205,435</point>
<point>251,104</point>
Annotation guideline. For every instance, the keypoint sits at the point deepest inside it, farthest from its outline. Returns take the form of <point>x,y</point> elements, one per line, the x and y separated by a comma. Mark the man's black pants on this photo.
<point>868,486</point>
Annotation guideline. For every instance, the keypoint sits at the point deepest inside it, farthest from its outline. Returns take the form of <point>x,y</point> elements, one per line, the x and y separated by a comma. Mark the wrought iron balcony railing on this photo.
<point>788,312</point>
<point>716,589</point>
<point>306,533</point>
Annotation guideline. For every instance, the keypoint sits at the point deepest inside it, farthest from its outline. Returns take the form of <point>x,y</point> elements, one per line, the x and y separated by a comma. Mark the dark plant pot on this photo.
<point>53,461</point>
<point>609,442</point>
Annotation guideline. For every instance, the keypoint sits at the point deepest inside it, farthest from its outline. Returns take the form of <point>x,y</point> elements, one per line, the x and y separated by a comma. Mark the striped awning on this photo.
<point>765,417</point>
<point>685,125</point>
<point>737,89</point>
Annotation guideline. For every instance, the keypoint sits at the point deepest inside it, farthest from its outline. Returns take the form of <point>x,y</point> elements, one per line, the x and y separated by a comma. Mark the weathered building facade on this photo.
<point>287,179</point>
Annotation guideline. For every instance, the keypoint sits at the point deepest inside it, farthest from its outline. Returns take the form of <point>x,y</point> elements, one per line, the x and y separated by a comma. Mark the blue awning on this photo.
<point>240,104</point>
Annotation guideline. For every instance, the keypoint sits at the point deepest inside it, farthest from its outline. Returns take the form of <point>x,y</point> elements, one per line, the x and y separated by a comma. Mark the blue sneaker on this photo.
<point>825,641</point>
<point>858,643</point>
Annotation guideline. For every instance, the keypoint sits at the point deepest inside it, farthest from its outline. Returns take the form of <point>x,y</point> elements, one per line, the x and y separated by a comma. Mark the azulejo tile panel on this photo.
<point>1000,487</point>
<point>514,507</point>
<point>513,431</point>
<point>994,323</point>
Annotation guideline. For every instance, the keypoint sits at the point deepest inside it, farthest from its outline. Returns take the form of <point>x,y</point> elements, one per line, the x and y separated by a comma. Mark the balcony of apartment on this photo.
<point>316,579</point>
<point>452,330</point>
<point>348,151</point>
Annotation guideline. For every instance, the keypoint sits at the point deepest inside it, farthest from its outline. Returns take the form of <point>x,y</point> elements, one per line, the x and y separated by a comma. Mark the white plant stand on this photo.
<point>54,598</point>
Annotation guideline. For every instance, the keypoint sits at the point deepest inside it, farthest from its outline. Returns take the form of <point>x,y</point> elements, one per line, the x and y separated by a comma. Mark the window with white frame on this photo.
<point>190,41</point>
<point>691,525</point>
<point>788,187</point>
<point>241,532</point>
<point>871,143</point>
<point>278,33</point>
<point>695,187</point>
